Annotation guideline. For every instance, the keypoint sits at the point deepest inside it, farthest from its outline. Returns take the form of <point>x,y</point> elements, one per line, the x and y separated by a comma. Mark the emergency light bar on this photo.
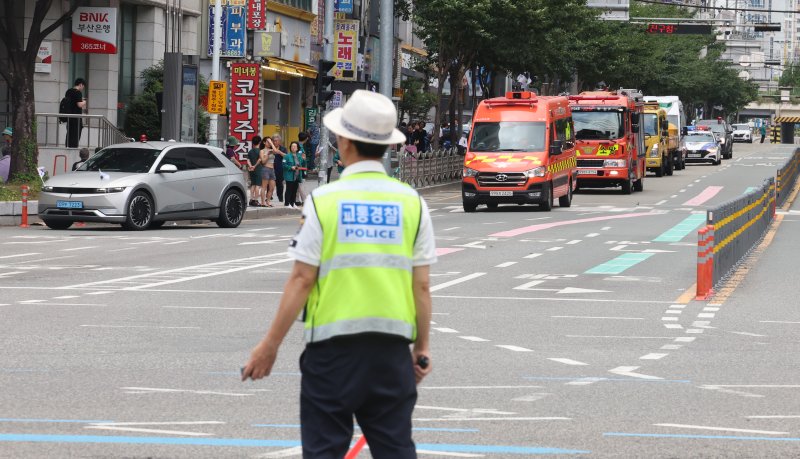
<point>520,95</point>
<point>513,98</point>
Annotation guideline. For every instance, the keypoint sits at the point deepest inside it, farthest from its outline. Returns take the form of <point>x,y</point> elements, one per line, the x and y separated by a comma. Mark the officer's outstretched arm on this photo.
<point>295,294</point>
<point>422,300</point>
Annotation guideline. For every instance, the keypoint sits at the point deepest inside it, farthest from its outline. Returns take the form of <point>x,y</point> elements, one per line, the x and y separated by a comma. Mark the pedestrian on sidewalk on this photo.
<point>277,140</point>
<point>291,173</point>
<point>75,105</point>
<point>763,131</point>
<point>254,167</point>
<point>359,317</point>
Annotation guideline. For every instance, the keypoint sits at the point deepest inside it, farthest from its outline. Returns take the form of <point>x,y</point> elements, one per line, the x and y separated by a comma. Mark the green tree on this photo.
<point>416,101</point>
<point>21,46</point>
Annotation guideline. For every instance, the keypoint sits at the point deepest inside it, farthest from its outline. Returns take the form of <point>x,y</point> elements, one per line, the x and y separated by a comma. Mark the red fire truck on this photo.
<point>609,139</point>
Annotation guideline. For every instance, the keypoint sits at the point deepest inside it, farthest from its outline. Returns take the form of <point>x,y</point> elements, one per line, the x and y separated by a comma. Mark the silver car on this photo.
<point>142,185</point>
<point>702,147</point>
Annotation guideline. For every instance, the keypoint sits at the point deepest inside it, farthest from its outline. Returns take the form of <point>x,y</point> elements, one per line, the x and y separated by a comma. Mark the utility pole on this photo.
<point>387,60</point>
<point>213,119</point>
<point>327,54</point>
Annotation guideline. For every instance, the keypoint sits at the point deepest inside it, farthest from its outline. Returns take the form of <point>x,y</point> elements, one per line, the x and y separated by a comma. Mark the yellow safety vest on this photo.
<point>369,224</point>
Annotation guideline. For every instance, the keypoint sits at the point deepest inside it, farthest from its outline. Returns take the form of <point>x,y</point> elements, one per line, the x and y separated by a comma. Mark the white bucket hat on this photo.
<point>366,117</point>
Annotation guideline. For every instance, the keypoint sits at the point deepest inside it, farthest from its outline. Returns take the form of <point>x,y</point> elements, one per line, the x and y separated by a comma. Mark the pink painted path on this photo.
<point>544,226</point>
<point>444,251</point>
<point>707,194</point>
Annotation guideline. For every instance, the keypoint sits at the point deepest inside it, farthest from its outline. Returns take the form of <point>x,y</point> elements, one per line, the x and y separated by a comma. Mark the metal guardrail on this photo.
<point>738,226</point>
<point>430,168</point>
<point>787,176</point>
<point>97,131</point>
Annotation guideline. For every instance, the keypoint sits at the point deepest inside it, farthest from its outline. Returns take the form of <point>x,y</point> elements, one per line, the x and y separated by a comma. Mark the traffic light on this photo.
<point>324,81</point>
<point>767,27</point>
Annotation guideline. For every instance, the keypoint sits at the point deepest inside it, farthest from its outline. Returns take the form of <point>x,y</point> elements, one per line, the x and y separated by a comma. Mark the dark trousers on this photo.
<point>291,193</point>
<point>762,137</point>
<point>74,126</point>
<point>367,376</point>
<point>279,186</point>
<point>330,169</point>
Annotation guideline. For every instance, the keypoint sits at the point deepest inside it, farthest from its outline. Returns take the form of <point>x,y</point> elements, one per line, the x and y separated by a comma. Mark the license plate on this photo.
<point>69,204</point>
<point>694,155</point>
<point>587,172</point>
<point>501,193</point>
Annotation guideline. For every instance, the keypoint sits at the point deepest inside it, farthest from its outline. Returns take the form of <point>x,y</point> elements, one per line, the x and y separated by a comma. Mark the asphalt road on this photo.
<point>571,332</point>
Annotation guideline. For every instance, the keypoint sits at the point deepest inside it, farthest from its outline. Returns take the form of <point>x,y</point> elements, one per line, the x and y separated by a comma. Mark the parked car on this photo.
<point>742,133</point>
<point>702,146</point>
<point>142,185</point>
<point>724,132</point>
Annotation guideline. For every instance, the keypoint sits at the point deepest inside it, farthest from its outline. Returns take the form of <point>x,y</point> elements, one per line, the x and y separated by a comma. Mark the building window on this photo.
<point>299,4</point>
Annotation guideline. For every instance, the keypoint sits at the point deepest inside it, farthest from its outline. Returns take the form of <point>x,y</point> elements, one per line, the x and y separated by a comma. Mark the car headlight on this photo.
<point>654,151</point>
<point>615,163</point>
<point>47,188</point>
<point>540,171</point>
<point>117,189</point>
<point>470,172</point>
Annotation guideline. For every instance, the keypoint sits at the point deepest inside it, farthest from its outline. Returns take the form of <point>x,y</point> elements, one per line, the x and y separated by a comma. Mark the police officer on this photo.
<point>361,278</point>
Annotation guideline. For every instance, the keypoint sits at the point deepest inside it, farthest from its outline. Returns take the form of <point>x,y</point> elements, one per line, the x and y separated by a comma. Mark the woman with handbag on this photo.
<point>291,173</point>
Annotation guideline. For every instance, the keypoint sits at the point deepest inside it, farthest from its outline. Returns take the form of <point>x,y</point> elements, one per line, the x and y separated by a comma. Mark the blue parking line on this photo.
<point>620,264</point>
<point>682,229</point>
<point>58,421</point>
<point>699,437</point>
<point>244,442</point>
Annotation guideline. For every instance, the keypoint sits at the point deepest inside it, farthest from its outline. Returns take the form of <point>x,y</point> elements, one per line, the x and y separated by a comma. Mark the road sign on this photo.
<point>217,93</point>
<point>678,29</point>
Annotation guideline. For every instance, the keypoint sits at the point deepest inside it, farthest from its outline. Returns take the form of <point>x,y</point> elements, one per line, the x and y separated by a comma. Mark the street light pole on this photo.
<point>387,60</point>
<point>213,119</point>
<point>327,54</point>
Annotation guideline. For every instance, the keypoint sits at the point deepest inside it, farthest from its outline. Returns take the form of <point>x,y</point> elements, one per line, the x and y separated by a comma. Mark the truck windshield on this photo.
<point>598,125</point>
<point>508,136</point>
<point>650,124</point>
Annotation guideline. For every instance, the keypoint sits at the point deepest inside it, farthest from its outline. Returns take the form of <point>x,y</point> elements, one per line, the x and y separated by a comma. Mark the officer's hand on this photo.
<point>261,360</point>
<point>419,372</point>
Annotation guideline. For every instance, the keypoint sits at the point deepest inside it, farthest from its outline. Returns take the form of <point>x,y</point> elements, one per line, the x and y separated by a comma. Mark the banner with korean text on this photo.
<point>233,23</point>
<point>345,52</point>
<point>94,30</point>
<point>256,14</point>
<point>244,114</point>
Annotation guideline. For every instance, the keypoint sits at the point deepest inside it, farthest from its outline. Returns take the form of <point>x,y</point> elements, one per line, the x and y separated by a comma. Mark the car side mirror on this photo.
<point>168,168</point>
<point>556,147</point>
<point>684,131</point>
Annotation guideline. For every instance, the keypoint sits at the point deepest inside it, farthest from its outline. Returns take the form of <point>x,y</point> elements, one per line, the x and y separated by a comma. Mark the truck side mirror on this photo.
<point>556,147</point>
<point>635,119</point>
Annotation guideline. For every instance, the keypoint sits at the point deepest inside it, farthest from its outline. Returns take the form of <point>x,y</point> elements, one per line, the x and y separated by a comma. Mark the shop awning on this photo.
<point>787,119</point>
<point>289,68</point>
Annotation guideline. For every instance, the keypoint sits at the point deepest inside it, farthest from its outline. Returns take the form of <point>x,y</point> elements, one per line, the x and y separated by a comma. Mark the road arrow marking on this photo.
<point>629,371</point>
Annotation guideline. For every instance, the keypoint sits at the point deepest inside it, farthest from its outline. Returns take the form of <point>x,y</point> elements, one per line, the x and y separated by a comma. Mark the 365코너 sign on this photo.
<point>244,113</point>
<point>94,30</point>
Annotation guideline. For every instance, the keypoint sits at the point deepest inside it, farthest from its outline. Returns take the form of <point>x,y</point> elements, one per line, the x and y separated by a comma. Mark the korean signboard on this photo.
<point>217,97</point>
<point>244,115</point>
<point>233,28</point>
<point>257,14</point>
<point>345,51</point>
<point>44,58</point>
<point>343,6</point>
<point>94,30</point>
<point>266,44</point>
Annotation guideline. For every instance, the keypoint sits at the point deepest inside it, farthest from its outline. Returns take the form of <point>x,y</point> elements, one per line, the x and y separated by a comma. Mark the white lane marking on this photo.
<point>574,241</point>
<point>673,311</point>
<point>553,249</point>
<point>618,337</point>
<point>271,241</point>
<point>598,317</point>
<point>701,324</point>
<point>19,255</point>
<point>671,347</point>
<point>456,281</point>
<point>447,453</point>
<point>120,250</point>
<point>698,180</point>
<point>706,315</point>
<point>677,306</point>
<point>153,431</point>
<point>778,322</point>
<point>105,292</point>
<point>661,202</point>
<point>32,301</point>
<point>533,255</point>
<point>204,275</point>
<point>477,339</point>
<point>68,304</point>
<point>530,398</point>
<point>684,339</point>
<point>547,418</point>
<point>792,416</point>
<point>653,356</point>
<point>464,410</point>
<point>674,196</point>
<point>513,348</point>
<point>747,334</point>
<point>506,264</point>
<point>176,242</point>
<point>585,381</point>
<point>670,319</point>
<point>139,326</point>
<point>476,387</point>
<point>630,372</point>
<point>79,248</point>
<point>506,298</point>
<point>567,361</point>
<point>445,330</point>
<point>168,423</point>
<point>722,429</point>
<point>711,309</point>
<point>180,391</point>
<point>675,326</point>
<point>592,235</point>
<point>682,191</point>
<point>288,452</point>
<point>206,307</point>
<point>694,330</point>
<point>605,228</point>
<point>451,229</point>
<point>10,273</point>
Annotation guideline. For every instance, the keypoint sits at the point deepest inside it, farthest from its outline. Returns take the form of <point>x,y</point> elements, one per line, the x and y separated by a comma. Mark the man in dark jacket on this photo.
<point>75,106</point>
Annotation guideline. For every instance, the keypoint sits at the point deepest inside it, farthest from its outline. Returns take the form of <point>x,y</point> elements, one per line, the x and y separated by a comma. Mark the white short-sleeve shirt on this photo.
<point>306,246</point>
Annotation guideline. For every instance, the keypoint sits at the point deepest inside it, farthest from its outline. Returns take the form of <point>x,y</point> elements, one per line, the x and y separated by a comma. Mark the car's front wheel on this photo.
<point>231,211</point>
<point>139,214</point>
<point>57,224</point>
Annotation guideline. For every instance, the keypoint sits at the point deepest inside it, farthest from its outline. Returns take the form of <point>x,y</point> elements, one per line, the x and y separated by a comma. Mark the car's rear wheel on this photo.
<point>231,211</point>
<point>57,224</point>
<point>566,200</point>
<point>140,212</point>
